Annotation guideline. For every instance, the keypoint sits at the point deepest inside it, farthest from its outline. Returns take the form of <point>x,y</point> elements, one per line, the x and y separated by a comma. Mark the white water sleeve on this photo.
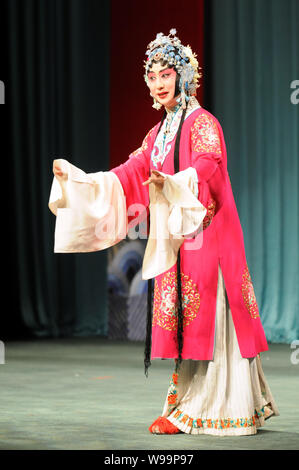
<point>175,214</point>
<point>91,214</point>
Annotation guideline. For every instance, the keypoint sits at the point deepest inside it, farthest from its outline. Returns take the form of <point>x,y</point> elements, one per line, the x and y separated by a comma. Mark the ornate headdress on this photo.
<point>170,49</point>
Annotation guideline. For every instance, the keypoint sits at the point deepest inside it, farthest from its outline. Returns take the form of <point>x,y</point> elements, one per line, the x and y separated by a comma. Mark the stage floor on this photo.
<point>92,394</point>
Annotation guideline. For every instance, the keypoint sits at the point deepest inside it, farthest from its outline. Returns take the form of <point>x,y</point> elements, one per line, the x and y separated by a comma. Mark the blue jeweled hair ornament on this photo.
<point>170,49</point>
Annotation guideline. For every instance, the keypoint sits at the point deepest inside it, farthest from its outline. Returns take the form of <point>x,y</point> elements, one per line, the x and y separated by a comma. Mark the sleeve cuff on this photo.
<point>94,216</point>
<point>186,212</point>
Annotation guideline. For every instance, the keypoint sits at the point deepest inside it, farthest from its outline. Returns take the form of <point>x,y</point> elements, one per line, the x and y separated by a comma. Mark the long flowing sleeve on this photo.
<point>132,174</point>
<point>90,212</point>
<point>176,214</point>
<point>96,210</point>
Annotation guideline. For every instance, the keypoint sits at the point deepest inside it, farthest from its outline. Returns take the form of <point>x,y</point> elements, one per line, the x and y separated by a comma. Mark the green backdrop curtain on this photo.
<point>255,51</point>
<point>57,101</point>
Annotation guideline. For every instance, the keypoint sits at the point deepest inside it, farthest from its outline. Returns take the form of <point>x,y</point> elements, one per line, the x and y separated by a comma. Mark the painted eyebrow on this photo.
<point>151,71</point>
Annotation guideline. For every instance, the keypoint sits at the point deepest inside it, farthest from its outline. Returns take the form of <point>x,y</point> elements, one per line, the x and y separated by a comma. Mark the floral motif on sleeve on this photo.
<point>205,136</point>
<point>145,143</point>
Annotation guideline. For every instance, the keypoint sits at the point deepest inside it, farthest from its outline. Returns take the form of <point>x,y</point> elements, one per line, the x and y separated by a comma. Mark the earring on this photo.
<point>156,104</point>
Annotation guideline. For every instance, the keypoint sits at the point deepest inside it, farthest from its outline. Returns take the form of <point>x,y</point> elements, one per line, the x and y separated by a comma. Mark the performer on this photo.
<point>204,315</point>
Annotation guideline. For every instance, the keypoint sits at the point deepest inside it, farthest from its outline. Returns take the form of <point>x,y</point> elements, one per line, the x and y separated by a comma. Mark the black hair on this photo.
<point>180,325</point>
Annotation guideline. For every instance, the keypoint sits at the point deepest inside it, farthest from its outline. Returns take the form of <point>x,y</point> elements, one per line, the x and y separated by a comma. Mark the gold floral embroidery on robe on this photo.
<point>144,145</point>
<point>210,214</point>
<point>248,294</point>
<point>205,135</point>
<point>165,301</point>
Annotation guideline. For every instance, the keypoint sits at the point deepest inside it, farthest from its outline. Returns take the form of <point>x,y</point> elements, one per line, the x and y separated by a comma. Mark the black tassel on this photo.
<point>148,339</point>
<point>180,311</point>
<point>180,326</point>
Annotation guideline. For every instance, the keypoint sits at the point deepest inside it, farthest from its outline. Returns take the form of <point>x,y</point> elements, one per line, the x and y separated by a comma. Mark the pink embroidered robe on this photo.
<point>202,147</point>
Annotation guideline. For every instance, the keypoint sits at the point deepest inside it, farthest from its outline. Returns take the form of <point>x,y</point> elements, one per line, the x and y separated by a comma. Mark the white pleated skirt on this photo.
<point>227,396</point>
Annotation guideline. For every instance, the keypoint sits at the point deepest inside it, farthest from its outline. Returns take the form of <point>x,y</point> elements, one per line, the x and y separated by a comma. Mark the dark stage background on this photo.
<point>74,89</point>
<point>57,97</point>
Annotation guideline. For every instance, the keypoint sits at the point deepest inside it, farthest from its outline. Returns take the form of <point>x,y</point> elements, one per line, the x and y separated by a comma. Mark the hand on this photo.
<point>155,178</point>
<point>59,170</point>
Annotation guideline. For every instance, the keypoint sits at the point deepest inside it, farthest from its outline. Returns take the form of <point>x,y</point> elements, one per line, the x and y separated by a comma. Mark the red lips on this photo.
<point>162,95</point>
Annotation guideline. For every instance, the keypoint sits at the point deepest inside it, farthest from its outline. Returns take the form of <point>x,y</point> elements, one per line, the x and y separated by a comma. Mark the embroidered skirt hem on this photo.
<point>228,396</point>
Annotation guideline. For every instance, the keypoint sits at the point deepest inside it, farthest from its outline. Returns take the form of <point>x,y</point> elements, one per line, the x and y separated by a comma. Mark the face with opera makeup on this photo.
<point>161,82</point>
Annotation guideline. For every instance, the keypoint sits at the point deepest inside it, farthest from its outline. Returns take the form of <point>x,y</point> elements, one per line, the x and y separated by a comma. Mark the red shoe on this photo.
<point>163,426</point>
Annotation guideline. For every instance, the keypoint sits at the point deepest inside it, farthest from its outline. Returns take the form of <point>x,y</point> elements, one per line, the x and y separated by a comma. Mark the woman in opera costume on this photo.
<point>202,310</point>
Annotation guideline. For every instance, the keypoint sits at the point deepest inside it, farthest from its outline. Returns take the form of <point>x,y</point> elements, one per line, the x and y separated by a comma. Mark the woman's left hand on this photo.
<point>155,178</point>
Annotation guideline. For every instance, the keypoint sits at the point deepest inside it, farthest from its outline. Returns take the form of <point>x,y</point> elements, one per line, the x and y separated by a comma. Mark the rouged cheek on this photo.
<point>151,86</point>
<point>170,72</point>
